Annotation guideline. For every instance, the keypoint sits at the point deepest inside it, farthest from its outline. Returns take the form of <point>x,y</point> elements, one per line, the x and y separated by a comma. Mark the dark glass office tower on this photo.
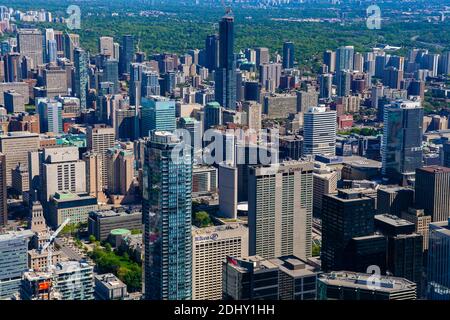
<point>402,145</point>
<point>127,54</point>
<point>166,209</point>
<point>212,52</point>
<point>225,79</point>
<point>81,76</point>
<point>347,215</point>
<point>288,55</point>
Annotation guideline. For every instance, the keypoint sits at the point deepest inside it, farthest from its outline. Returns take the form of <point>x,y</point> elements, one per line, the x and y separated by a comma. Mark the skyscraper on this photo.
<point>225,76</point>
<point>212,52</point>
<point>343,83</point>
<point>127,54</point>
<point>157,113</point>
<point>106,46</point>
<point>433,192</point>
<point>329,59</point>
<point>344,58</point>
<point>100,138</point>
<point>439,261</point>
<point>50,116</point>
<point>326,83</point>
<point>288,55</point>
<point>81,76</point>
<point>319,132</point>
<point>347,215</point>
<point>3,192</point>
<point>30,43</point>
<point>280,209</point>
<point>402,139</point>
<point>167,206</point>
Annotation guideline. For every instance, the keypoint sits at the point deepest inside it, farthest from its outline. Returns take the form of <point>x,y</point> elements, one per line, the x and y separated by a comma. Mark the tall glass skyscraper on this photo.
<point>402,139</point>
<point>81,76</point>
<point>127,53</point>
<point>225,76</point>
<point>167,206</point>
<point>157,114</point>
<point>288,55</point>
<point>344,58</point>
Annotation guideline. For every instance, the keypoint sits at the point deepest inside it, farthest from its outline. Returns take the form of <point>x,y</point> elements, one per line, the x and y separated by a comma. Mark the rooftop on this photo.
<point>393,220</point>
<point>435,169</point>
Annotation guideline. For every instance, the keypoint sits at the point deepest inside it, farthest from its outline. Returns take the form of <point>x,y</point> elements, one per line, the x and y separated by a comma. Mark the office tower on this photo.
<point>14,102</point>
<point>52,51</point>
<point>329,59</point>
<point>13,261</point>
<point>307,99</point>
<point>71,43</point>
<point>94,184</point>
<point>13,68</point>
<point>55,80</point>
<point>74,280</point>
<point>102,222</point>
<point>269,76</point>
<point>68,205</point>
<point>136,73</point>
<point>280,209</point>
<point>345,215</point>
<point>225,76</point>
<point>444,63</point>
<point>62,171</point>
<point>30,44</point>
<point>254,115</point>
<point>402,139</point>
<point>343,83</point>
<point>166,209</point>
<point>100,138</point>
<point>81,78</point>
<point>262,56</point>
<point>345,285</point>
<point>212,52</point>
<point>124,123</point>
<point>394,200</point>
<point>252,278</point>
<point>363,252</point>
<point>344,58</point>
<point>380,65</point>
<point>405,248</point>
<point>277,106</point>
<point>50,116</point>
<point>319,132</point>
<point>421,221</point>
<point>210,247</point>
<point>326,85</point>
<point>3,192</point>
<point>111,73</point>
<point>228,190</point>
<point>106,46</point>
<point>15,146</point>
<point>204,180</point>
<point>288,55</point>
<point>438,267</point>
<point>430,62</point>
<point>392,77</point>
<point>213,115</point>
<point>127,53</point>
<point>432,192</point>
<point>250,55</point>
<point>120,164</point>
<point>157,113</point>
<point>446,154</point>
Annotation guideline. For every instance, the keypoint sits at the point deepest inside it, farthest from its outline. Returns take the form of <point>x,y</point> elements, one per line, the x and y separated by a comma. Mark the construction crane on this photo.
<point>50,241</point>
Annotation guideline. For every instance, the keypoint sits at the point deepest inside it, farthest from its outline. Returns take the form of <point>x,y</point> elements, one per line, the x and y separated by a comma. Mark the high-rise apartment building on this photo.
<point>167,206</point>
<point>344,58</point>
<point>81,78</point>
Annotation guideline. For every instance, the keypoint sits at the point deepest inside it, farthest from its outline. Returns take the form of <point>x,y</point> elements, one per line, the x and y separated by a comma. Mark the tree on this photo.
<point>202,219</point>
<point>92,238</point>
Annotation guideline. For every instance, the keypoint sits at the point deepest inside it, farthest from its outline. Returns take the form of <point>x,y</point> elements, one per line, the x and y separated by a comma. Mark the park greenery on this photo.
<point>202,219</point>
<point>120,264</point>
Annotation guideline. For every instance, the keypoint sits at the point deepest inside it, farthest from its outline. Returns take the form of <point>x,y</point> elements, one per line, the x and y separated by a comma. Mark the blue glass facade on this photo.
<point>438,274</point>
<point>157,114</point>
<point>167,209</point>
